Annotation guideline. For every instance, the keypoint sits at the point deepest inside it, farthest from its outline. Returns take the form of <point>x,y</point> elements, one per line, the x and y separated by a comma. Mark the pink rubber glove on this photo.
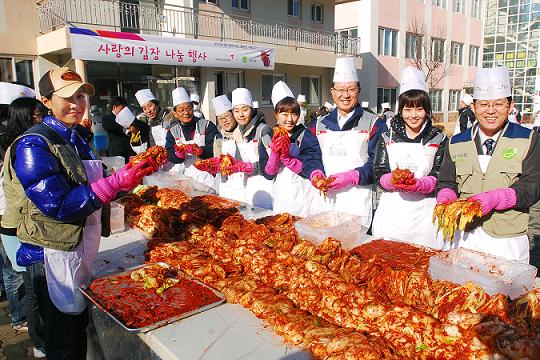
<point>341,180</point>
<point>272,165</point>
<point>294,164</point>
<point>498,199</point>
<point>446,196</point>
<point>124,179</point>
<point>424,185</point>
<point>240,166</point>
<point>386,182</point>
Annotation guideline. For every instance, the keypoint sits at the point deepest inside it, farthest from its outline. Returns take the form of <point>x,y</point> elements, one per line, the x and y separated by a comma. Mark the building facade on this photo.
<point>512,39</point>
<point>442,37</point>
<point>301,32</point>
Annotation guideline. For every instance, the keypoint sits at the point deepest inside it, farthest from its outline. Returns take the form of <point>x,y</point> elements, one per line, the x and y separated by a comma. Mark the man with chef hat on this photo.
<point>159,119</point>
<point>196,101</point>
<point>466,115</point>
<point>348,136</point>
<point>190,130</point>
<point>301,100</point>
<point>495,162</point>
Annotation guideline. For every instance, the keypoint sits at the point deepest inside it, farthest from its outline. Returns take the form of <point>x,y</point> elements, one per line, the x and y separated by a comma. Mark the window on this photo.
<point>387,42</point>
<point>436,100</point>
<point>473,55</point>
<point>476,6</point>
<point>24,72</point>
<point>294,8</point>
<point>386,95</point>
<point>440,3</point>
<point>310,86</point>
<point>437,50</point>
<point>349,33</point>
<point>457,53</point>
<point>458,6</point>
<point>413,46</point>
<point>209,1</point>
<point>268,81</point>
<point>317,12</point>
<point>453,103</point>
<point>240,4</point>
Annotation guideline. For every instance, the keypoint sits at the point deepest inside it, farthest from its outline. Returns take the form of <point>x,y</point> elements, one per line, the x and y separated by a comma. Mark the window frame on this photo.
<point>474,51</point>
<point>292,2</point>
<point>239,5</point>
<point>439,3</point>
<point>459,46</point>
<point>453,99</point>
<point>389,95</point>
<point>308,93</point>
<point>279,76</point>
<point>436,101</point>
<point>458,6</point>
<point>12,61</point>
<point>441,51</point>
<point>393,46</point>
<point>314,12</point>
<point>417,46</point>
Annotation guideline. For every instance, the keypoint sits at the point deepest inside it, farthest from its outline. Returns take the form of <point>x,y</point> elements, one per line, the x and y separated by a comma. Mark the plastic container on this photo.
<point>493,274</point>
<point>114,162</point>
<point>171,180</point>
<point>341,226</point>
<point>101,139</point>
<point>117,218</point>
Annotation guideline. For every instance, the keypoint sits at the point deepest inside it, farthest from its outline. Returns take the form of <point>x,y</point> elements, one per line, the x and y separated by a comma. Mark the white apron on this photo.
<point>407,216</point>
<point>514,248</point>
<point>140,149</point>
<point>188,166</point>
<point>343,151</point>
<point>159,134</point>
<point>289,193</point>
<point>232,186</point>
<point>66,270</point>
<point>258,189</point>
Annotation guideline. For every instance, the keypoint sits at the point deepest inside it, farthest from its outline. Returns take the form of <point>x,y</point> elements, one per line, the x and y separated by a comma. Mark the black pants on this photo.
<point>36,324</point>
<point>65,335</point>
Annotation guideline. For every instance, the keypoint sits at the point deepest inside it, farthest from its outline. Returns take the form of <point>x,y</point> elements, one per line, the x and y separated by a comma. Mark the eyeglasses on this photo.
<point>499,106</point>
<point>342,92</point>
<point>186,109</point>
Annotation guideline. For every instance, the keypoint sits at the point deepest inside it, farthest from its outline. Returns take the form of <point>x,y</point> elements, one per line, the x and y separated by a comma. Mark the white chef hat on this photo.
<point>491,84</point>
<point>467,99</point>
<point>328,106</point>
<point>125,117</point>
<point>180,96</point>
<point>242,96</point>
<point>345,70</point>
<point>412,79</point>
<point>143,96</point>
<point>255,104</point>
<point>385,105</point>
<point>280,91</point>
<point>10,92</point>
<point>221,104</point>
<point>365,104</point>
<point>301,98</point>
<point>195,98</point>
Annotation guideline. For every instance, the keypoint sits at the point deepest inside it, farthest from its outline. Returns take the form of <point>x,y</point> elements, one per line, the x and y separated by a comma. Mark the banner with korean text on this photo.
<point>111,46</point>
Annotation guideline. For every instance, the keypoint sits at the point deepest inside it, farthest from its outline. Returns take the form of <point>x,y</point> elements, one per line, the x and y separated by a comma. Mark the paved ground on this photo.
<point>16,345</point>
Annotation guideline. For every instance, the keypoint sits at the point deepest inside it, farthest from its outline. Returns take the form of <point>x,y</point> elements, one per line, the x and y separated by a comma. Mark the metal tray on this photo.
<point>160,323</point>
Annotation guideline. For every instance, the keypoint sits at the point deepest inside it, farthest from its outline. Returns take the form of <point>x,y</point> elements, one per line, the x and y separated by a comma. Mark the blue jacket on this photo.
<point>376,129</point>
<point>44,180</point>
<point>188,130</point>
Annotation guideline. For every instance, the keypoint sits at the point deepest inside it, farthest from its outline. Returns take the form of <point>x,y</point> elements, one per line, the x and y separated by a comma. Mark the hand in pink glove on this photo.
<point>424,185</point>
<point>498,199</point>
<point>341,180</point>
<point>180,151</point>
<point>272,165</point>
<point>124,179</point>
<point>386,182</point>
<point>240,166</point>
<point>446,196</point>
<point>294,164</point>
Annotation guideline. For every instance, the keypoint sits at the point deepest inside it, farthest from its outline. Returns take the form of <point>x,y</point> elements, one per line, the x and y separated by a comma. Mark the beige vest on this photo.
<point>32,225</point>
<point>504,169</point>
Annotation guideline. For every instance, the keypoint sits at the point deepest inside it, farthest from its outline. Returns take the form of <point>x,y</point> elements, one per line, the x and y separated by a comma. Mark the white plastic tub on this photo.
<point>344,227</point>
<point>117,218</point>
<point>493,274</point>
<point>114,162</point>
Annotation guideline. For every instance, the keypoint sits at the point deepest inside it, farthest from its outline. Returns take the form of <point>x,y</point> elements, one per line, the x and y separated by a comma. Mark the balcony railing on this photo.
<point>149,18</point>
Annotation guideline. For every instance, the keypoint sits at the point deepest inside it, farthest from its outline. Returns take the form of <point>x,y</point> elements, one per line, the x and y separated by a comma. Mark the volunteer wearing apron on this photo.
<point>118,138</point>
<point>138,131</point>
<point>348,136</point>
<point>295,161</point>
<point>248,182</point>
<point>227,124</point>
<point>190,130</point>
<point>496,163</point>
<point>466,115</point>
<point>52,176</point>
<point>404,211</point>
<point>157,118</point>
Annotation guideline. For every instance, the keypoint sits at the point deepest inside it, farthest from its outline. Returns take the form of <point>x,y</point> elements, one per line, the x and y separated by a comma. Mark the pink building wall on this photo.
<point>388,16</point>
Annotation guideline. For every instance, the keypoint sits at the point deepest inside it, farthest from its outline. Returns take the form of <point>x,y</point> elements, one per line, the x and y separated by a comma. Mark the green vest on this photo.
<point>503,170</point>
<point>32,225</point>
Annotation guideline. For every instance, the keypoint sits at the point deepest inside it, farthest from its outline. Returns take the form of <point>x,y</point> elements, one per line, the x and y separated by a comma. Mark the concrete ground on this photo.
<point>16,345</point>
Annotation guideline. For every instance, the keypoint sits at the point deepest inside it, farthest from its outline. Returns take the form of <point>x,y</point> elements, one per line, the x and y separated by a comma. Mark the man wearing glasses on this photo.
<point>494,162</point>
<point>348,136</point>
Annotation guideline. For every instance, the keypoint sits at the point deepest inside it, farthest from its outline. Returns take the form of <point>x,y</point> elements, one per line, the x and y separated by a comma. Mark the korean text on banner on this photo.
<point>111,46</point>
